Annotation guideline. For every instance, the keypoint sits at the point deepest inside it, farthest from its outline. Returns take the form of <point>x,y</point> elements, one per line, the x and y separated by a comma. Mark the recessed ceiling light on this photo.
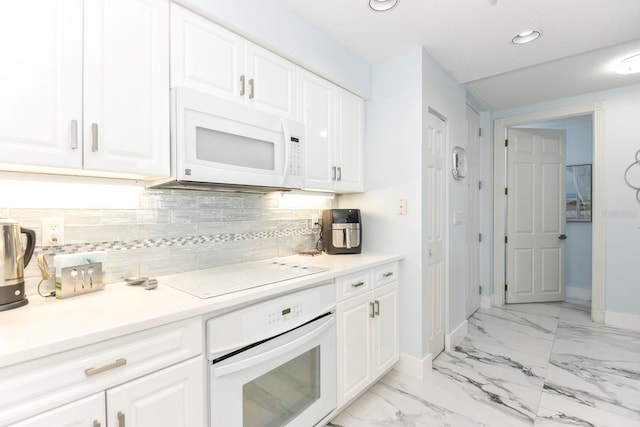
<point>630,65</point>
<point>382,5</point>
<point>525,37</point>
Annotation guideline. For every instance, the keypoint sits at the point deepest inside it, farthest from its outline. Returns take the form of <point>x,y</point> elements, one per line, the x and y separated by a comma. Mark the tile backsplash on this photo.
<point>177,230</point>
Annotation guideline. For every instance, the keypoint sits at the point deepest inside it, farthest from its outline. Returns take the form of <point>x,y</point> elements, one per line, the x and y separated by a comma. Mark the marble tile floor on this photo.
<point>520,365</point>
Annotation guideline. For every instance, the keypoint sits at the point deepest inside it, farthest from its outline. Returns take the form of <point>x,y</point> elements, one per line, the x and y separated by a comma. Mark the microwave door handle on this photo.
<point>287,154</point>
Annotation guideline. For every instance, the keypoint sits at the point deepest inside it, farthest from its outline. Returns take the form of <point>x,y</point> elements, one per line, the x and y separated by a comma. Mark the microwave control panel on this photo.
<point>295,163</point>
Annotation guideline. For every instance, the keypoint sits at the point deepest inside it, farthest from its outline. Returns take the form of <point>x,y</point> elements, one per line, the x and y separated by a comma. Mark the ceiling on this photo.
<point>471,39</point>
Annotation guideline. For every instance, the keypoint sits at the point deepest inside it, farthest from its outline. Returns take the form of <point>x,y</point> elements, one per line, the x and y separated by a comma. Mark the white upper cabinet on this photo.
<point>117,50</point>
<point>334,120</point>
<point>349,141</point>
<point>212,59</point>
<point>126,96</point>
<point>317,112</point>
<point>41,75</point>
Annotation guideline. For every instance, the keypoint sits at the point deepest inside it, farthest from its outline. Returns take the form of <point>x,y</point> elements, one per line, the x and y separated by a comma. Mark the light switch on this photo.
<point>401,207</point>
<point>458,218</point>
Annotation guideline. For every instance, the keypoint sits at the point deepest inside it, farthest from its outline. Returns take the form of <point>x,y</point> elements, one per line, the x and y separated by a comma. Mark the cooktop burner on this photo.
<point>232,278</point>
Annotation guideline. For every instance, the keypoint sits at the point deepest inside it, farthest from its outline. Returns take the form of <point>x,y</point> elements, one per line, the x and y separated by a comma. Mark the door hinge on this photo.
<point>479,185</point>
<point>505,287</point>
<point>506,142</point>
<point>506,191</point>
<point>480,290</point>
<point>480,237</point>
<point>506,239</point>
<point>479,131</point>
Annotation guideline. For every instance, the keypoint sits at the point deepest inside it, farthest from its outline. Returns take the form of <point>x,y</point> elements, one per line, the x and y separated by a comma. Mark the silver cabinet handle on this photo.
<point>94,371</point>
<point>333,173</point>
<point>96,423</point>
<point>94,137</point>
<point>120,419</point>
<point>242,85</point>
<point>387,274</point>
<point>251,88</point>
<point>372,314</point>
<point>74,134</point>
<point>339,173</point>
<point>376,303</point>
<point>357,285</point>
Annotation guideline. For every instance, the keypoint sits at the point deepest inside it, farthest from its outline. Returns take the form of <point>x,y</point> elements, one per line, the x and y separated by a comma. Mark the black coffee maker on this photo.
<point>341,231</point>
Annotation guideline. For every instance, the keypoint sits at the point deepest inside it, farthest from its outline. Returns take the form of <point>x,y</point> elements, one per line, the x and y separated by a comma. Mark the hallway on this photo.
<point>520,365</point>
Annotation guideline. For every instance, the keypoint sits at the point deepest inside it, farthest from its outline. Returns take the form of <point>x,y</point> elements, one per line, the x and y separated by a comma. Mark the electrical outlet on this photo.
<point>401,207</point>
<point>314,221</point>
<point>52,231</point>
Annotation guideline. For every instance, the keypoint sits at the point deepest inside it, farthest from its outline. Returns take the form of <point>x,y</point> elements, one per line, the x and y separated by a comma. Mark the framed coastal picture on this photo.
<point>578,183</point>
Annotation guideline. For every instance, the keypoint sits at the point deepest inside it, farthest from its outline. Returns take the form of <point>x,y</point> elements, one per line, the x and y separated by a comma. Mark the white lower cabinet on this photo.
<point>367,333</point>
<point>87,412</point>
<point>170,397</point>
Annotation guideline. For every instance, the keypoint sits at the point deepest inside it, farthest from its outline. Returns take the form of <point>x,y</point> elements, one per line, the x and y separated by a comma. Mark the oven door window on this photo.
<point>279,396</point>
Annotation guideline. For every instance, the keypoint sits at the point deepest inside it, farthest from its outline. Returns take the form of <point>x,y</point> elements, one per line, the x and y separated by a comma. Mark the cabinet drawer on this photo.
<point>44,383</point>
<point>385,274</point>
<point>353,284</point>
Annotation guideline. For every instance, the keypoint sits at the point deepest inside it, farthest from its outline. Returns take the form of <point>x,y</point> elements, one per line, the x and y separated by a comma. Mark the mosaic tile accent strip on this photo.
<point>167,242</point>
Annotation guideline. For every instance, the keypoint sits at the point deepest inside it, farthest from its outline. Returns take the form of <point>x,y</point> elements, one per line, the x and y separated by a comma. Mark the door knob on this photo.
<point>563,237</point>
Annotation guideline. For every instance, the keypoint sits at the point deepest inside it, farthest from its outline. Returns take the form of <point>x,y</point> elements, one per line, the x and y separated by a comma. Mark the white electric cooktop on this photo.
<point>237,277</point>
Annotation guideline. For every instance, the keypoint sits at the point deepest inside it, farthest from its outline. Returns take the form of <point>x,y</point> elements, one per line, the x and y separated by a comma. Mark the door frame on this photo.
<point>597,111</point>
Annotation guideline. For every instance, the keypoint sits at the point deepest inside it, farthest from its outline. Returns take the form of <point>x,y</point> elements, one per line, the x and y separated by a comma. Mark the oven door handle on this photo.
<point>278,351</point>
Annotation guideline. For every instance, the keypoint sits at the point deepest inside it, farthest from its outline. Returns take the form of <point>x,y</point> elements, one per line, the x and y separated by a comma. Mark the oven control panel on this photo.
<point>237,329</point>
<point>286,314</point>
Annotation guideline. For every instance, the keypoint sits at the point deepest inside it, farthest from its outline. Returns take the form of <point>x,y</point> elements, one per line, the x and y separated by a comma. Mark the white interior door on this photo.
<point>535,215</point>
<point>435,164</point>
<point>473,212</point>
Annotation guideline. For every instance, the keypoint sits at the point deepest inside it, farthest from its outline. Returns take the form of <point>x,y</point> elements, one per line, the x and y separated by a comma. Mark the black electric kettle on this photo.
<point>13,260</point>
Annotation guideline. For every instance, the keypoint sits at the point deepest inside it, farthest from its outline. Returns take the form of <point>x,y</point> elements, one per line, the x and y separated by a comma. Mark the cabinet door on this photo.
<point>272,81</point>
<point>126,96</point>
<point>41,75</point>
<point>317,112</point>
<point>171,397</point>
<point>386,343</point>
<point>349,141</point>
<point>87,412</point>
<point>205,56</point>
<point>354,331</point>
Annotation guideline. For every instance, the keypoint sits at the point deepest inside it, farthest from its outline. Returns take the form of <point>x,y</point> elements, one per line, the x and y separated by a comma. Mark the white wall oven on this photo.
<point>217,141</point>
<point>273,364</point>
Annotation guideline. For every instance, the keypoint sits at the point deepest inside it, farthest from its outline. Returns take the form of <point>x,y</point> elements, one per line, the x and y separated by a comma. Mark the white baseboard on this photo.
<point>454,338</point>
<point>573,292</point>
<point>622,320</point>
<point>485,301</point>
<point>417,368</point>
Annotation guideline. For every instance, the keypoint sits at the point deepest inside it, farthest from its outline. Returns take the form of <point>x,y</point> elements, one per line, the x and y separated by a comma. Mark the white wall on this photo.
<point>403,90</point>
<point>271,24</point>
<point>621,211</point>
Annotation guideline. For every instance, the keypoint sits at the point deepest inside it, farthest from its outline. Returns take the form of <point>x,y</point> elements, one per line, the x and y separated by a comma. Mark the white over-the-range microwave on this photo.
<point>220,143</point>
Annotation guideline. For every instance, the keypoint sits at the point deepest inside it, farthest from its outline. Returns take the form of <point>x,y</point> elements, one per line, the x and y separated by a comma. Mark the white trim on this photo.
<point>574,292</point>
<point>413,366</point>
<point>497,300</point>
<point>597,111</point>
<point>454,338</point>
<point>485,301</point>
<point>622,320</point>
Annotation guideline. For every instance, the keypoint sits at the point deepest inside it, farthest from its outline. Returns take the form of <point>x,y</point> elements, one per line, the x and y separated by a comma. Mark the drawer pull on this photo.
<point>372,314</point>
<point>377,307</point>
<point>120,419</point>
<point>357,285</point>
<point>387,274</point>
<point>94,371</point>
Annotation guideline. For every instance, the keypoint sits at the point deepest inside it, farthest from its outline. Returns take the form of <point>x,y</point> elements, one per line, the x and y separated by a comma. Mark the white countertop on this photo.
<point>47,325</point>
